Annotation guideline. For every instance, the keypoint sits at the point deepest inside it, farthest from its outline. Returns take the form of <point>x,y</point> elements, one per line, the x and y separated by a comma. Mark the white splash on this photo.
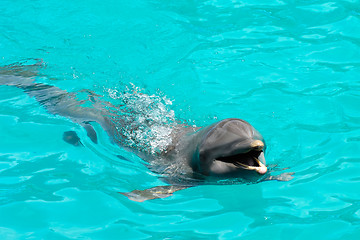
<point>145,120</point>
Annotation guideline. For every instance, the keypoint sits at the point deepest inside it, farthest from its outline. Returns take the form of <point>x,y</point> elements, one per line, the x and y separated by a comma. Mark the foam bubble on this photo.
<point>145,121</point>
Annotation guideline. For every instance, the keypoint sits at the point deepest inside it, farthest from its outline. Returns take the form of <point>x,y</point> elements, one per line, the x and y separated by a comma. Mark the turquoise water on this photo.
<point>290,68</point>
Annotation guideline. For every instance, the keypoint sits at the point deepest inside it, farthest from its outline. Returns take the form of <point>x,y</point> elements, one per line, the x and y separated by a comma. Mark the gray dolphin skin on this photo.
<point>227,147</point>
<point>230,148</point>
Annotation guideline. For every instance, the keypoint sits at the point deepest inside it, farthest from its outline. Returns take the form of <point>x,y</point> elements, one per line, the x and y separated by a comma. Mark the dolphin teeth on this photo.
<point>239,164</point>
<point>257,160</point>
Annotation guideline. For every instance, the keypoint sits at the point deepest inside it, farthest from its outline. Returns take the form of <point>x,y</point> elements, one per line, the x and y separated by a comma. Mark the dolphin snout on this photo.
<point>257,145</point>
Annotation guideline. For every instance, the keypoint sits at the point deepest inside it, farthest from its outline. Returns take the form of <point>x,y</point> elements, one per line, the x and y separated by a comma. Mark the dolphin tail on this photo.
<point>153,193</point>
<point>27,68</point>
<point>55,100</point>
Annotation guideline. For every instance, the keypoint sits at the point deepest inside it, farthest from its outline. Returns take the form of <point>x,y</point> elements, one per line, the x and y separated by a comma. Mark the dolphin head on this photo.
<point>231,146</point>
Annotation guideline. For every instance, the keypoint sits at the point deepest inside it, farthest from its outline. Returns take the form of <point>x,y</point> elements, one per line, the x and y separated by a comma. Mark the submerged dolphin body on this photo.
<point>228,148</point>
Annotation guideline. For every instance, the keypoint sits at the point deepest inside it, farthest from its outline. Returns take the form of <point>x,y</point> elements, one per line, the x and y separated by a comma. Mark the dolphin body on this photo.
<point>230,148</point>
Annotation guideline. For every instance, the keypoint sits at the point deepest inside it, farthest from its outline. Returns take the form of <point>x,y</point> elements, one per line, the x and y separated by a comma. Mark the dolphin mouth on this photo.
<point>249,161</point>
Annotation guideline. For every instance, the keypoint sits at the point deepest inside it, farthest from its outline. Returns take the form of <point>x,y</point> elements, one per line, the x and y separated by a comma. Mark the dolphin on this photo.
<point>230,148</point>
